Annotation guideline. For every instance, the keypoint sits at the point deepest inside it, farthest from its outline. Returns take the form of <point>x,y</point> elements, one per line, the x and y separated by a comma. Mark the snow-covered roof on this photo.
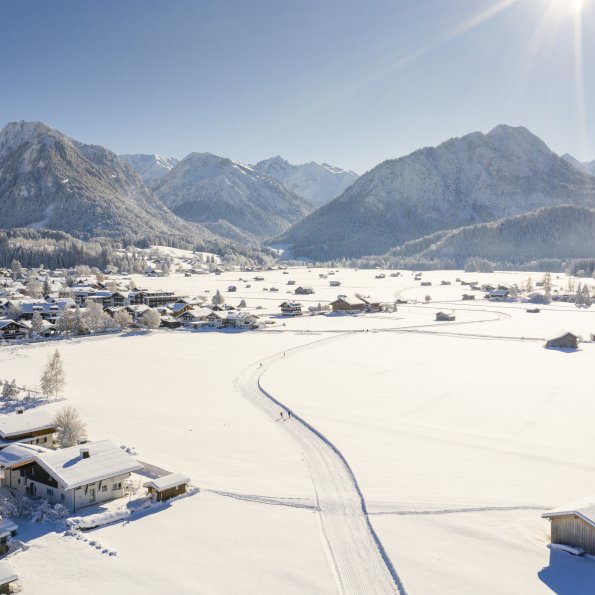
<point>19,453</point>
<point>7,573</point>
<point>583,508</point>
<point>238,315</point>
<point>7,321</point>
<point>167,481</point>
<point>28,421</point>
<point>71,470</point>
<point>7,527</point>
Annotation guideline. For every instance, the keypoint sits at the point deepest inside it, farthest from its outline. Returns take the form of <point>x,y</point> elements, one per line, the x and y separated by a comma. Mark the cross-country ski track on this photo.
<point>360,564</point>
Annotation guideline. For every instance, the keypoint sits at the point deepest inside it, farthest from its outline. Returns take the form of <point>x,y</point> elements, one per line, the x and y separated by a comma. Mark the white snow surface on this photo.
<point>454,433</point>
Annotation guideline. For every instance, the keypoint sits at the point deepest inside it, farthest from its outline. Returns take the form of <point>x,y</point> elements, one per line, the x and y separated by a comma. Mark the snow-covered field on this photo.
<point>459,435</point>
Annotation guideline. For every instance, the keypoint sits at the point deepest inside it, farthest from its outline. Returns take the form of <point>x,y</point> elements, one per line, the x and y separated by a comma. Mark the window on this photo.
<point>117,486</point>
<point>45,439</point>
<point>61,496</point>
<point>49,492</point>
<point>104,488</point>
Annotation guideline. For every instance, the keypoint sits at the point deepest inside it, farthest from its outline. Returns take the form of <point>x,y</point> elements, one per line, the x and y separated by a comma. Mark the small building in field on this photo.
<point>168,486</point>
<point>7,576</point>
<point>291,309</point>
<point>574,525</point>
<point>8,530</point>
<point>335,283</point>
<point>567,340</point>
<point>445,317</point>
<point>468,296</point>
<point>425,283</point>
<point>37,426</point>
<point>497,295</point>
<point>305,290</point>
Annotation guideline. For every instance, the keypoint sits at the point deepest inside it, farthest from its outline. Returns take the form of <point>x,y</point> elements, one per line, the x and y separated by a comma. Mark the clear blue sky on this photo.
<point>350,82</point>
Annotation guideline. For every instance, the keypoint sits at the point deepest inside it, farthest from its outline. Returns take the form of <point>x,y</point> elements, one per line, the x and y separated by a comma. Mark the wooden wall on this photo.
<point>572,530</point>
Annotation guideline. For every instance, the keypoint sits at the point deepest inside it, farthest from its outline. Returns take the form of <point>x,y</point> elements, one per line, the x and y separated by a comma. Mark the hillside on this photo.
<point>48,180</point>
<point>218,193</point>
<point>318,183</point>
<point>464,181</point>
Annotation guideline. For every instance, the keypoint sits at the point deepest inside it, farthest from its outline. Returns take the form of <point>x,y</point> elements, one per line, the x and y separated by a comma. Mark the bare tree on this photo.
<point>53,378</point>
<point>70,428</point>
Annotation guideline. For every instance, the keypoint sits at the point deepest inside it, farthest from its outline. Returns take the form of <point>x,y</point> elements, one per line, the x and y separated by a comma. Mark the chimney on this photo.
<point>20,410</point>
<point>85,454</point>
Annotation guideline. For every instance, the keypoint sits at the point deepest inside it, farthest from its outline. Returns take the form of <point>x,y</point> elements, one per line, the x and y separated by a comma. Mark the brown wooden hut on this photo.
<point>168,486</point>
<point>574,525</point>
<point>567,340</point>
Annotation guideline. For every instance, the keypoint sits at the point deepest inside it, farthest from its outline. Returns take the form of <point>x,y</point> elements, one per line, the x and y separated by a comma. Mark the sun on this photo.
<point>572,7</point>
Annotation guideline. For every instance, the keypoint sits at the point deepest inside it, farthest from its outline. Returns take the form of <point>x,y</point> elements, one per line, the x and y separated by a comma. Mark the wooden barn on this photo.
<point>168,486</point>
<point>574,525</point>
<point>567,340</point>
<point>445,317</point>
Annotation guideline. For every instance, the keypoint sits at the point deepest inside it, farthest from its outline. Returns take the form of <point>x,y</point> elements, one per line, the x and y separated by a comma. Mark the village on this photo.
<point>338,334</point>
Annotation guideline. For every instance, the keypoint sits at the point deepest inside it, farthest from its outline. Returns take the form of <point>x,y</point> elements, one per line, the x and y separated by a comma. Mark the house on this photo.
<point>36,426</point>
<point>49,309</point>
<point>497,295</point>
<point>178,308</point>
<point>12,329</point>
<point>574,525</point>
<point>241,320</point>
<point>7,576</point>
<point>567,340</point>
<point>351,304</point>
<point>168,486</point>
<point>445,317</point>
<point>197,318</point>
<point>76,477</point>
<point>156,298</point>
<point>305,290</point>
<point>291,309</point>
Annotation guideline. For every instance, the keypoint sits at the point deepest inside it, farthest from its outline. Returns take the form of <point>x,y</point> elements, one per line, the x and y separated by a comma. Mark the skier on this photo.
<point>281,414</point>
<point>289,414</point>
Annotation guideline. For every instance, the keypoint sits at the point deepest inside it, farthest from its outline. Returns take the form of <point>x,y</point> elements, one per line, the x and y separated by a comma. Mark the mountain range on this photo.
<point>150,168</point>
<point>230,198</point>
<point>586,166</point>
<point>465,181</point>
<point>48,180</point>
<point>318,183</point>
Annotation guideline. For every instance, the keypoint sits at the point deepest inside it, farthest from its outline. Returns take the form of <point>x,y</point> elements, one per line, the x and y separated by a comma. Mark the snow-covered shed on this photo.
<point>168,486</point>
<point>565,340</point>
<point>574,525</point>
<point>36,426</point>
<point>7,576</point>
<point>8,530</point>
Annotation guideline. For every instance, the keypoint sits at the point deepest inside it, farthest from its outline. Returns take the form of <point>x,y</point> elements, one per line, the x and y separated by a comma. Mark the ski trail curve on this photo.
<point>360,564</point>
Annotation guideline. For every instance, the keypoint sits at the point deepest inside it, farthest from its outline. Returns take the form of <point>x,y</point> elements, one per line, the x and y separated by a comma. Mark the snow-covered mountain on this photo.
<point>586,166</point>
<point>48,180</point>
<point>218,193</point>
<point>318,183</point>
<point>150,168</point>
<point>464,181</point>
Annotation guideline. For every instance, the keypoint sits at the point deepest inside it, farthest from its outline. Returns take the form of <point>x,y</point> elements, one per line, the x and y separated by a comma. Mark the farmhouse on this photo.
<point>349,304</point>
<point>75,477</point>
<point>168,486</point>
<point>291,309</point>
<point>568,340</point>
<point>574,525</point>
<point>35,427</point>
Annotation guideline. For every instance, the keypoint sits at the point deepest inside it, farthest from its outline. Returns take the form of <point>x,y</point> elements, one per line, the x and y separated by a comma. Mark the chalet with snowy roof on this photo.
<point>241,320</point>
<point>13,329</point>
<point>103,298</point>
<point>497,295</point>
<point>7,576</point>
<point>49,309</point>
<point>76,477</point>
<point>168,486</point>
<point>291,309</point>
<point>178,308</point>
<point>573,525</point>
<point>565,340</point>
<point>36,426</point>
<point>349,304</point>
<point>197,318</point>
<point>157,298</point>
